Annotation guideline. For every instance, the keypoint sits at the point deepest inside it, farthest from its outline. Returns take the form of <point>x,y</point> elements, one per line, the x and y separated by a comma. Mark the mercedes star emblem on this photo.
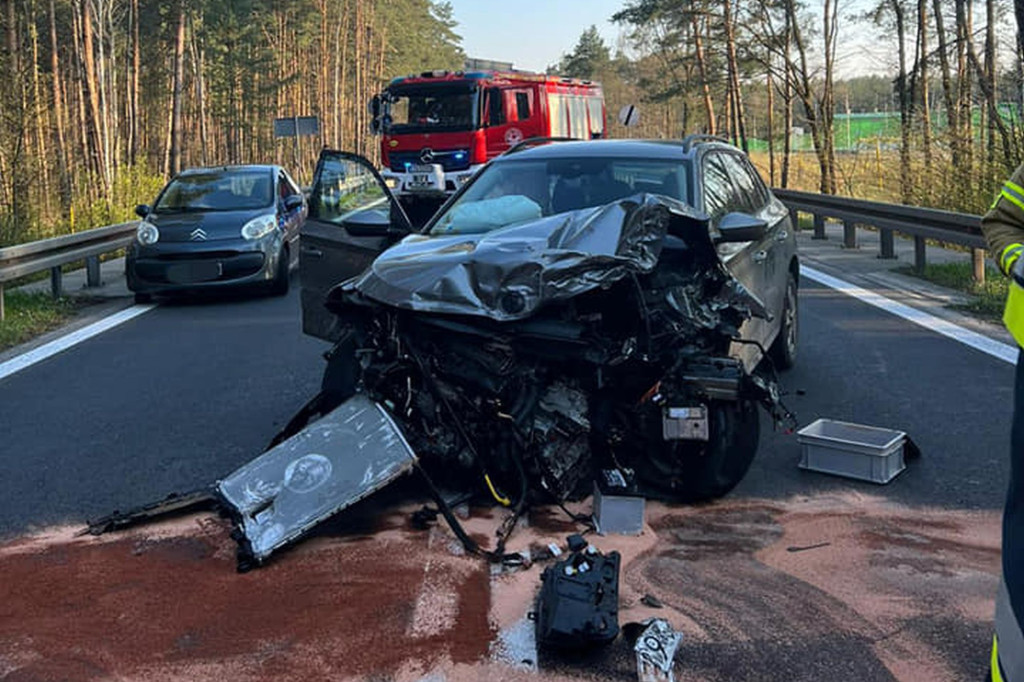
<point>427,155</point>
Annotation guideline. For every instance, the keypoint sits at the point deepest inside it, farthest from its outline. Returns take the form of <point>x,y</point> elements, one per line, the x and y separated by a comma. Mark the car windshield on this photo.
<point>217,190</point>
<point>432,108</point>
<point>515,191</point>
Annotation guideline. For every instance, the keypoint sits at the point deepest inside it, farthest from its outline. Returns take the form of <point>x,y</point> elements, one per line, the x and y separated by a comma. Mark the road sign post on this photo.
<point>296,127</point>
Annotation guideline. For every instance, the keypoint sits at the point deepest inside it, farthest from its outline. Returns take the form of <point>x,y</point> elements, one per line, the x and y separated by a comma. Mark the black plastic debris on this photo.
<point>578,606</point>
<point>651,601</point>
<point>175,503</point>
<point>804,548</point>
<point>423,518</point>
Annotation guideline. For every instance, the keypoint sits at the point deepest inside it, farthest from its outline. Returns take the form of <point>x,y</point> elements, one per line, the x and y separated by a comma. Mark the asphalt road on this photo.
<point>179,396</point>
<point>174,399</point>
<point>167,402</point>
<point>863,365</point>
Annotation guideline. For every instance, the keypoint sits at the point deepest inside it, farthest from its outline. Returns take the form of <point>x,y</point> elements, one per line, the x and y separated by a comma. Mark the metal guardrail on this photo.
<point>26,259</point>
<point>922,224</point>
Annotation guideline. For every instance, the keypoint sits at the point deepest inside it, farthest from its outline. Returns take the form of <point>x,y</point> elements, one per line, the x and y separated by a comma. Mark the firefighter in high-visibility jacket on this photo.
<point>1003,227</point>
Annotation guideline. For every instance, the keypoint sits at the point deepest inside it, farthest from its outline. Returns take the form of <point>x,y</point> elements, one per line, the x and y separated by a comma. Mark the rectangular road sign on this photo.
<point>305,125</point>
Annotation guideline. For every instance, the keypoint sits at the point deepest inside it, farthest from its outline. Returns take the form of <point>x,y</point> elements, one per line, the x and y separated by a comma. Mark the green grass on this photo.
<point>988,298</point>
<point>28,315</point>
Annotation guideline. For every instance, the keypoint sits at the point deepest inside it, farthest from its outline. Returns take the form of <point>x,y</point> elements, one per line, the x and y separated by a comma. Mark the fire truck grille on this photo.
<point>450,159</point>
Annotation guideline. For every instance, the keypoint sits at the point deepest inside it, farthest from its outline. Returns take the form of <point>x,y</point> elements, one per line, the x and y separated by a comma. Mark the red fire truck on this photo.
<point>439,127</point>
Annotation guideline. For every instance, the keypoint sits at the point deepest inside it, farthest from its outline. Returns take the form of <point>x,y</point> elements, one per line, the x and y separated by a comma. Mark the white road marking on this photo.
<point>48,350</point>
<point>996,349</point>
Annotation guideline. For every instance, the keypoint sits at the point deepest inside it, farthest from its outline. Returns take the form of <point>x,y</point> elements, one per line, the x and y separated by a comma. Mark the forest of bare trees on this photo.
<point>105,99</point>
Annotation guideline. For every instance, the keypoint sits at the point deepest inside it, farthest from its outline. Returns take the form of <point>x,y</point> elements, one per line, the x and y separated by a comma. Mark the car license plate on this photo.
<point>188,273</point>
<point>425,177</point>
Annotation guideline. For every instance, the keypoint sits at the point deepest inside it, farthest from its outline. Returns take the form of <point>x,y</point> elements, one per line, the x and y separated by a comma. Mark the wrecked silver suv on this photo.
<point>576,306</point>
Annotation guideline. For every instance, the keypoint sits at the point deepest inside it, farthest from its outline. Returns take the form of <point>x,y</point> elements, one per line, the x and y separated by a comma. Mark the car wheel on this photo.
<point>784,349</point>
<point>143,298</point>
<point>685,472</point>
<point>279,285</point>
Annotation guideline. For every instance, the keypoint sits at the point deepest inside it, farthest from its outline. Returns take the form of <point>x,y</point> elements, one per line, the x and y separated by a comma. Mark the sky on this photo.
<point>532,34</point>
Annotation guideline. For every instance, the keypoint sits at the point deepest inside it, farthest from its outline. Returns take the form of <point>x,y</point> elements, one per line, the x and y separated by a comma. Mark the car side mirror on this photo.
<point>741,227</point>
<point>293,202</point>
<point>371,222</point>
<point>375,107</point>
<point>143,210</point>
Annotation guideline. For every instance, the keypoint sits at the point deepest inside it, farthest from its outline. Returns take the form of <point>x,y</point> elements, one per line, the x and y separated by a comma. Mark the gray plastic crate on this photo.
<point>867,453</point>
<point>621,514</point>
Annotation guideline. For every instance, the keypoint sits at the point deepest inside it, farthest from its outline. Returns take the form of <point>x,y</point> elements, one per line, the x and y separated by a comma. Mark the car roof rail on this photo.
<point>536,141</point>
<point>694,138</point>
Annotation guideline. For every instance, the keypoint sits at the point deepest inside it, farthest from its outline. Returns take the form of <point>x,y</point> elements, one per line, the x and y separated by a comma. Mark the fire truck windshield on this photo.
<point>429,108</point>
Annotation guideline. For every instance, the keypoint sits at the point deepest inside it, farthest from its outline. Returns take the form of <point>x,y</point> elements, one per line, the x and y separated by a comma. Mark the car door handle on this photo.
<point>782,236</point>
<point>760,256</point>
<point>312,252</point>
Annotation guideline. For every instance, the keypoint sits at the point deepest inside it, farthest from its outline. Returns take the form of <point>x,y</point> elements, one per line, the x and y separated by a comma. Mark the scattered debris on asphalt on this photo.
<point>903,593</point>
<point>866,453</point>
<point>578,606</point>
<point>284,492</point>
<point>656,650</point>
<point>618,504</point>
<point>808,547</point>
<point>652,601</point>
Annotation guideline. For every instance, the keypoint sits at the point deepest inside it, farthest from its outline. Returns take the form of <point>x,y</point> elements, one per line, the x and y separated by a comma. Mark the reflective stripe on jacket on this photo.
<point>1003,227</point>
<point>1008,645</point>
<point>1013,313</point>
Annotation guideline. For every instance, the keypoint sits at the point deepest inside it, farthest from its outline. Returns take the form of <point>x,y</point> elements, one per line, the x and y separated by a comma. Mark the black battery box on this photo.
<point>578,606</point>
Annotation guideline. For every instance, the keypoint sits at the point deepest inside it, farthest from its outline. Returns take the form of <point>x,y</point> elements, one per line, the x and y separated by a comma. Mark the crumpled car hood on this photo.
<point>508,273</point>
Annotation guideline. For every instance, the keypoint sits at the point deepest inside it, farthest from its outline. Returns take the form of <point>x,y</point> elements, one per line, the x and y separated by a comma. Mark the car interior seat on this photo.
<point>567,196</point>
<point>670,186</point>
<point>608,190</point>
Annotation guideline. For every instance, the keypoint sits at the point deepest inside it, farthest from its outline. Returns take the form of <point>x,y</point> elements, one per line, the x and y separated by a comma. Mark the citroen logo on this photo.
<point>198,235</point>
<point>427,155</point>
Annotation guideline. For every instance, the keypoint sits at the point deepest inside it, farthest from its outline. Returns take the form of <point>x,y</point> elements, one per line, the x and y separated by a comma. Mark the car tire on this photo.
<point>279,285</point>
<point>143,298</point>
<point>683,472</point>
<point>783,351</point>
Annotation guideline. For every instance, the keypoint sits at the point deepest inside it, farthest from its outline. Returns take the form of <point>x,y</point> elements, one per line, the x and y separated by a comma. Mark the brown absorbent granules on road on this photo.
<point>173,607</point>
<point>876,593</point>
<point>896,594</point>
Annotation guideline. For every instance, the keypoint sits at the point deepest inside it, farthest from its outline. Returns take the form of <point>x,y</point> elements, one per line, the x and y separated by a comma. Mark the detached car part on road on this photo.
<point>575,307</point>
<point>212,228</point>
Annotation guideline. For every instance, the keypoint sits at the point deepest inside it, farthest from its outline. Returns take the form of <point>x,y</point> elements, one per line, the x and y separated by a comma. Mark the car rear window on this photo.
<point>220,190</point>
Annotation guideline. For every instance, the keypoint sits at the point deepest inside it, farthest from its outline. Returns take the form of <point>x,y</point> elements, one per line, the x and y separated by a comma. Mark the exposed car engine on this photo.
<point>627,368</point>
